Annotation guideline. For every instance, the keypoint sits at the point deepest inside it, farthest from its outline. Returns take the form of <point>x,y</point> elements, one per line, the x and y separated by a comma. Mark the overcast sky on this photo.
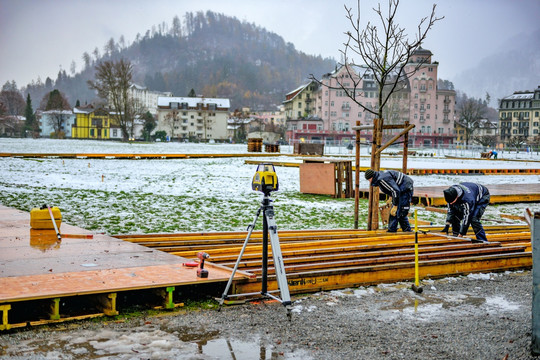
<point>40,37</point>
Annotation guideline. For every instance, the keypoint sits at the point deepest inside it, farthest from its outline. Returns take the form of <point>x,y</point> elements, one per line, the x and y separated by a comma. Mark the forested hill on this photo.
<point>217,55</point>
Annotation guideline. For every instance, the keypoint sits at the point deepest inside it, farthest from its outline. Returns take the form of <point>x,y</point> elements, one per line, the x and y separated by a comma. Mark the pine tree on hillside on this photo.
<point>30,122</point>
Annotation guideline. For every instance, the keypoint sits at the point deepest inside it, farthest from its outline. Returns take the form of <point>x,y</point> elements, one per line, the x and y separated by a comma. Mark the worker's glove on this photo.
<point>446,229</point>
<point>393,210</point>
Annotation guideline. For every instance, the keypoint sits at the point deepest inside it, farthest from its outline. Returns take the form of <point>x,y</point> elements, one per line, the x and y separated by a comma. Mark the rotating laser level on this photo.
<point>265,179</point>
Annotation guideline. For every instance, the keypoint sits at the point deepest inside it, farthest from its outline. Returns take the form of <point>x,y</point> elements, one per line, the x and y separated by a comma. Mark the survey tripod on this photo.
<point>269,229</point>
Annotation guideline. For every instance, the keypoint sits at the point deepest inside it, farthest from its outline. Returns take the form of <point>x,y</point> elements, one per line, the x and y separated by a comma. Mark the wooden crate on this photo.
<point>327,177</point>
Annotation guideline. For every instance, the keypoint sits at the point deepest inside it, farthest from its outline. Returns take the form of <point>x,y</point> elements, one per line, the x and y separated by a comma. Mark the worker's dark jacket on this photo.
<point>392,183</point>
<point>471,203</point>
<point>400,188</point>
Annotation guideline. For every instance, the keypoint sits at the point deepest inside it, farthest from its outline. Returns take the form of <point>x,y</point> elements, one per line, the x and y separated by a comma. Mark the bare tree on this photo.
<point>112,83</point>
<point>486,140</point>
<point>471,112</point>
<point>56,104</point>
<point>382,52</point>
<point>516,142</point>
<point>12,99</point>
<point>173,121</point>
<point>207,121</point>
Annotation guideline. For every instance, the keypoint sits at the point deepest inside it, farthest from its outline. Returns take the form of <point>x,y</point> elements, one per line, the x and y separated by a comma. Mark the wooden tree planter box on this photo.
<point>327,177</point>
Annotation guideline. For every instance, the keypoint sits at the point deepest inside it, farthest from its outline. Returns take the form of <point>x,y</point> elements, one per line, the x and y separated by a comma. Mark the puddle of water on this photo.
<point>143,343</point>
<point>429,306</point>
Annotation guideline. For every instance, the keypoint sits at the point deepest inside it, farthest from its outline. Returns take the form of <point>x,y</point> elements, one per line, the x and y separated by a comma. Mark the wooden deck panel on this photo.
<point>34,265</point>
<point>500,193</point>
<point>428,171</point>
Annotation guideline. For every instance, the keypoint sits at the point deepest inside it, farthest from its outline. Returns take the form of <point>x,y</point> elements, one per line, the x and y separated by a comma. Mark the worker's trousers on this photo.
<point>401,217</point>
<point>477,213</point>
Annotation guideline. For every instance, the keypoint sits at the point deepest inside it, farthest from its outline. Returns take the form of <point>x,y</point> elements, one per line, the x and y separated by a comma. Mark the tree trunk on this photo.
<point>373,211</point>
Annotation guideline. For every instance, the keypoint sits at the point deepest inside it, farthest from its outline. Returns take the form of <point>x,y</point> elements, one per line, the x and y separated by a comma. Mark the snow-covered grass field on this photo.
<point>195,195</point>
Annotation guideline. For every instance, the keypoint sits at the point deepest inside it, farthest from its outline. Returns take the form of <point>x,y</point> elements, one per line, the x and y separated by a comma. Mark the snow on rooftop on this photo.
<point>193,101</point>
<point>520,96</point>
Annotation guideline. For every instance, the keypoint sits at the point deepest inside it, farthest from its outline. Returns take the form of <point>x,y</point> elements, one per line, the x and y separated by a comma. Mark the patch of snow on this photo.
<point>500,303</point>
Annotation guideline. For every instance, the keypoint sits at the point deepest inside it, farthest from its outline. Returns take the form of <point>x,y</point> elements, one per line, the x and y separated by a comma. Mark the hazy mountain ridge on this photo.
<point>515,68</point>
<point>217,55</point>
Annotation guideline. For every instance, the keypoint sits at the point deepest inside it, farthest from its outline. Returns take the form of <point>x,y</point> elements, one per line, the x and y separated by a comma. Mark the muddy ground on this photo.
<point>483,316</point>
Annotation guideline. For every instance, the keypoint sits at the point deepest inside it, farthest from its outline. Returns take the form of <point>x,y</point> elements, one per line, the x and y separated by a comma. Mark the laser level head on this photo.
<point>265,179</point>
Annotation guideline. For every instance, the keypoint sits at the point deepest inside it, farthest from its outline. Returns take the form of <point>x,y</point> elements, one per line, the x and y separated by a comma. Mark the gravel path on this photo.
<point>483,316</point>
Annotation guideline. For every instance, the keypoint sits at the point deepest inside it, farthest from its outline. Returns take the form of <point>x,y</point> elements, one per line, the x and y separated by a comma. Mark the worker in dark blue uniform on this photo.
<point>400,187</point>
<point>466,204</point>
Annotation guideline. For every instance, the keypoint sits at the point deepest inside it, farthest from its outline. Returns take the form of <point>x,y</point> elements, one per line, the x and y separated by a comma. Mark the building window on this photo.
<point>331,103</point>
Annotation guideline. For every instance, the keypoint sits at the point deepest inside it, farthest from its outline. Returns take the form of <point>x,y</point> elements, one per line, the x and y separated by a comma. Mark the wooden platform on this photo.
<point>137,156</point>
<point>336,259</point>
<point>500,193</point>
<point>427,171</point>
<point>34,265</point>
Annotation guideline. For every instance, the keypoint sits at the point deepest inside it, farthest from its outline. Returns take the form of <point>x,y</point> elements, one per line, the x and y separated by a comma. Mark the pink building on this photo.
<point>431,109</point>
<point>420,102</point>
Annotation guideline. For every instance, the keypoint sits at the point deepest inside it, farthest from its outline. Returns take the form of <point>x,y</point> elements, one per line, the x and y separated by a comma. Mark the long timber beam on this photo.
<point>332,259</point>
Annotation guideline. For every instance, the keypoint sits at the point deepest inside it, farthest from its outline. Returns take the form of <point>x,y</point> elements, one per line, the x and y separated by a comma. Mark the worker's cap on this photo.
<point>369,174</point>
<point>452,193</point>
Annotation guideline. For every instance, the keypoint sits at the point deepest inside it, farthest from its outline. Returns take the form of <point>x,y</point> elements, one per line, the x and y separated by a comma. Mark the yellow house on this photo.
<point>91,123</point>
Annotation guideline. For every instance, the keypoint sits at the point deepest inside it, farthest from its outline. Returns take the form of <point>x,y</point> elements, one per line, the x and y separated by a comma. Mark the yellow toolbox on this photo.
<point>40,219</point>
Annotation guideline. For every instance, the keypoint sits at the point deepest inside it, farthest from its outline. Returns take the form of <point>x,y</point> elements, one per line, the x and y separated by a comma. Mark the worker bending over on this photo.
<point>400,187</point>
<point>466,205</point>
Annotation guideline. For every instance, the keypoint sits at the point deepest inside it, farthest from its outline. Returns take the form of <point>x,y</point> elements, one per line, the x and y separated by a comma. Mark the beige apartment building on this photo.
<point>193,118</point>
<point>519,116</point>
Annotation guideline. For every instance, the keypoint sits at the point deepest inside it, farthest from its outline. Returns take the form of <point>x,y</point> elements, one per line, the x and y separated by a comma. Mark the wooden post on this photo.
<point>373,212</point>
<point>357,177</point>
<point>405,148</point>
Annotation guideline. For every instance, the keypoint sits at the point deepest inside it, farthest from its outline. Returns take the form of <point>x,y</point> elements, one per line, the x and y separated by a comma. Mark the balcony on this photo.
<point>346,107</point>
